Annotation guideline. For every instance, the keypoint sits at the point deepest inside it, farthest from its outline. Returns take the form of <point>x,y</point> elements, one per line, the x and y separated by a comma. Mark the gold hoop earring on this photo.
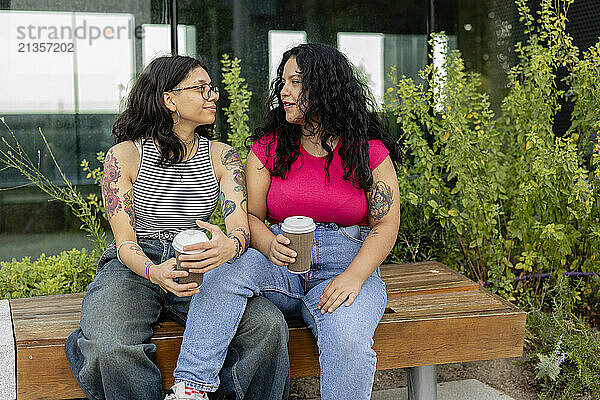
<point>178,116</point>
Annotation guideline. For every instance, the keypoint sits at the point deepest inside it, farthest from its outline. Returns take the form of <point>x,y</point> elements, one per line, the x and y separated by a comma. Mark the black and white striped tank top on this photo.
<point>172,198</point>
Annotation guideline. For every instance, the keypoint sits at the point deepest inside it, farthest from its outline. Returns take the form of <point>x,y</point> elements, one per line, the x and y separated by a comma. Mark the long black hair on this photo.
<point>334,102</point>
<point>147,117</point>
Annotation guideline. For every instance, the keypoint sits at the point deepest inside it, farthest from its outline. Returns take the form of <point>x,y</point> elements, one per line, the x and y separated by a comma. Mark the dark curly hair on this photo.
<point>147,117</point>
<point>334,102</point>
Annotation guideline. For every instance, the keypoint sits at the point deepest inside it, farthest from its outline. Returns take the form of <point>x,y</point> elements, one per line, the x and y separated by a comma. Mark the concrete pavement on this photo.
<point>467,389</point>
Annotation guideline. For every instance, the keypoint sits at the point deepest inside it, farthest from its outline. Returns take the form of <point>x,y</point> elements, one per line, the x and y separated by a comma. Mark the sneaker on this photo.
<point>180,392</point>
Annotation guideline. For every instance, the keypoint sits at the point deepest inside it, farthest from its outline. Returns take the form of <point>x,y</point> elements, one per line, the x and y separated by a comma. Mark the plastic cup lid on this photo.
<point>187,237</point>
<point>298,224</point>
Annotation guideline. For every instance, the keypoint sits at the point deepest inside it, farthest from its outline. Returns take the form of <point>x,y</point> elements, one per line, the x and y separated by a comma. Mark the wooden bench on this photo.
<point>434,316</point>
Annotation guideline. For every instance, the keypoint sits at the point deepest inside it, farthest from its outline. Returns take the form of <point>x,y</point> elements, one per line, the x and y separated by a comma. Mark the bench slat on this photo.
<point>423,277</point>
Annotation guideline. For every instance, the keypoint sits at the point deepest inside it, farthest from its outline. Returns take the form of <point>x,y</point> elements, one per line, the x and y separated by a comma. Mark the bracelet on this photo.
<point>148,270</point>
<point>246,237</point>
<point>148,275</point>
<point>119,248</point>
<point>238,246</point>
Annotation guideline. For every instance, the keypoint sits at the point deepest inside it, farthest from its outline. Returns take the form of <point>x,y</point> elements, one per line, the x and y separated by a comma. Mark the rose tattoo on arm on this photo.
<point>111,175</point>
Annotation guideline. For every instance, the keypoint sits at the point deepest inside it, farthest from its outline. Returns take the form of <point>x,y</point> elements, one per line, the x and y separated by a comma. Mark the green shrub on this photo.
<point>512,198</point>
<point>566,350</point>
<point>237,116</point>
<point>68,272</point>
<point>239,100</point>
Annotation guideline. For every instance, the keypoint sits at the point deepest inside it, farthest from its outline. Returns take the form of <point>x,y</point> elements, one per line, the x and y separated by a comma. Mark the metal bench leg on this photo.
<point>422,383</point>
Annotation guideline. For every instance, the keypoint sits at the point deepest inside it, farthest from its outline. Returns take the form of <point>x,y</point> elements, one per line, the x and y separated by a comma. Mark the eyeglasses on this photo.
<point>205,90</point>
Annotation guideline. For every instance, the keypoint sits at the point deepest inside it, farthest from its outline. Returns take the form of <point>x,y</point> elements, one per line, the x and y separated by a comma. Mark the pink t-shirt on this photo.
<point>304,191</point>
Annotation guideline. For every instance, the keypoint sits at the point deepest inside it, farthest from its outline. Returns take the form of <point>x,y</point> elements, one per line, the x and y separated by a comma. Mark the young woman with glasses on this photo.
<point>162,176</point>
<point>323,152</point>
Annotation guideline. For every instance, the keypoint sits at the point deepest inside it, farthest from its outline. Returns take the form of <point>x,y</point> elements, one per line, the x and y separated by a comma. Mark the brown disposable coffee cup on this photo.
<point>300,230</point>
<point>185,238</point>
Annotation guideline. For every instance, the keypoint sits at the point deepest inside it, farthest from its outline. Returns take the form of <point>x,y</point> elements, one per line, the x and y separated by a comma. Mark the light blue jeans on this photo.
<point>344,337</point>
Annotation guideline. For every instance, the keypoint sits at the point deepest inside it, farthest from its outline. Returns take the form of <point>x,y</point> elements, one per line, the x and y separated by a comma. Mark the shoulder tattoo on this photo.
<point>111,175</point>
<point>380,200</point>
<point>230,158</point>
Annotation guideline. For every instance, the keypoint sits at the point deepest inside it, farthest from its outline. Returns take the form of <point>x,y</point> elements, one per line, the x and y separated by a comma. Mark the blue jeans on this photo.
<point>111,353</point>
<point>344,337</point>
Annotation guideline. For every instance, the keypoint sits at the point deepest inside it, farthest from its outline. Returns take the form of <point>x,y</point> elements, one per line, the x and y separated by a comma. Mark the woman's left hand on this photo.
<point>218,250</point>
<point>344,287</point>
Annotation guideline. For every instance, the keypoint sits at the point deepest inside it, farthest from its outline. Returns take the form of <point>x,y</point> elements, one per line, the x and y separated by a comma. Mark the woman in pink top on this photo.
<point>322,153</point>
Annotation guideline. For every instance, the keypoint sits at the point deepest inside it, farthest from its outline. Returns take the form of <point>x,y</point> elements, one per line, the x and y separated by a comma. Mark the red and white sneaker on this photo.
<point>182,392</point>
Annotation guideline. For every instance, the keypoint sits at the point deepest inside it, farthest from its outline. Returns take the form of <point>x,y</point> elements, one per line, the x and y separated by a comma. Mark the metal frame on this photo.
<point>173,23</point>
<point>422,383</point>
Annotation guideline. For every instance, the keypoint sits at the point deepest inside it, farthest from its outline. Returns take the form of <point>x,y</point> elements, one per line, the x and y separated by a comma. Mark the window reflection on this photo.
<point>365,51</point>
<point>279,42</point>
<point>65,62</point>
<point>157,41</point>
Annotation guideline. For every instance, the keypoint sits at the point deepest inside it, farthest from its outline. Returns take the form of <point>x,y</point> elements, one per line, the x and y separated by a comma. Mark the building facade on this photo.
<point>67,66</point>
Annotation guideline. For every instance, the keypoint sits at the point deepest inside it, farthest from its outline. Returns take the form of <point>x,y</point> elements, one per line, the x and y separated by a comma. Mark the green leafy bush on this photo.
<point>237,115</point>
<point>511,197</point>
<point>68,272</point>
<point>239,99</point>
<point>565,347</point>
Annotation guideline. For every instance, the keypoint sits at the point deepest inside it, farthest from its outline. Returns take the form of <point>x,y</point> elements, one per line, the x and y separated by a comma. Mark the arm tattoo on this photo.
<point>227,206</point>
<point>245,237</point>
<point>239,177</point>
<point>137,249</point>
<point>230,158</point>
<point>380,200</point>
<point>374,232</point>
<point>111,175</point>
<point>128,207</point>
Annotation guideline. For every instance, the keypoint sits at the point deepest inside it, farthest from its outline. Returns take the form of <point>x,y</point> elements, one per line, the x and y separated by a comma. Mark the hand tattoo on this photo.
<point>111,175</point>
<point>380,200</point>
<point>128,207</point>
<point>230,158</point>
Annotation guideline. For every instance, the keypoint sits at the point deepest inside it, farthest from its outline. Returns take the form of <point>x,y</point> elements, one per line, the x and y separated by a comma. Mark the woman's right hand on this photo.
<point>164,275</point>
<point>279,253</point>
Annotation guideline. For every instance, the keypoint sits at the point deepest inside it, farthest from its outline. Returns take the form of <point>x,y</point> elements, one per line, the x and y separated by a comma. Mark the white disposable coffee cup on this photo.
<point>185,238</point>
<point>300,230</point>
